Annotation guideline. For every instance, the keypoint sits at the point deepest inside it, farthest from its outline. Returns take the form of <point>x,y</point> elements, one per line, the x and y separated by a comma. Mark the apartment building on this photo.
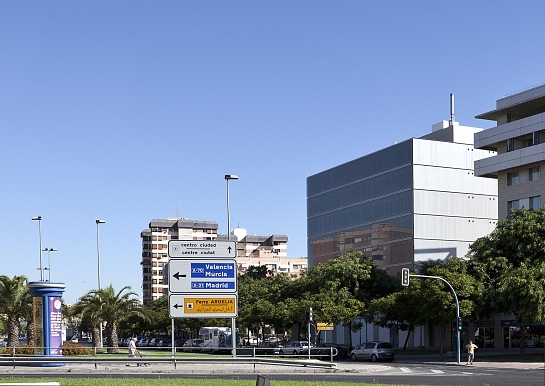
<point>271,251</point>
<point>155,249</point>
<point>415,200</point>
<point>517,146</point>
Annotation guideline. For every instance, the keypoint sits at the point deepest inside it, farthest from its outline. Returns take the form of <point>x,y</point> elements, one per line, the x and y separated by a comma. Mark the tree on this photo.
<point>14,300</point>
<point>402,310</point>
<point>510,263</point>
<point>337,288</point>
<point>110,307</point>
<point>439,299</point>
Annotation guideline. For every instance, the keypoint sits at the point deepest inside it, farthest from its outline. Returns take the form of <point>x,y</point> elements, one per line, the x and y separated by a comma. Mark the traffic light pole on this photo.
<point>458,324</point>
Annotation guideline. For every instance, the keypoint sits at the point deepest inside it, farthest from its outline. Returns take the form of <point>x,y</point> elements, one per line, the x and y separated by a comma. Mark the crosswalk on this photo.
<point>420,370</point>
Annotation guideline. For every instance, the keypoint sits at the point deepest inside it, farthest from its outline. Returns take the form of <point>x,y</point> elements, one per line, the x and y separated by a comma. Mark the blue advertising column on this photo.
<point>46,304</point>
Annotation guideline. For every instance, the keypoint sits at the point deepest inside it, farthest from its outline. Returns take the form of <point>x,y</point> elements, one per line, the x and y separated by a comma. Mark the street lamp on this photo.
<point>39,219</point>
<point>49,261</point>
<point>98,271</point>
<point>98,251</point>
<point>227,178</point>
<point>233,325</point>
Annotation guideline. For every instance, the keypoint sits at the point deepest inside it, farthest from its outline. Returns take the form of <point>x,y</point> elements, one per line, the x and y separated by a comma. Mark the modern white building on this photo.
<point>517,146</point>
<point>415,200</point>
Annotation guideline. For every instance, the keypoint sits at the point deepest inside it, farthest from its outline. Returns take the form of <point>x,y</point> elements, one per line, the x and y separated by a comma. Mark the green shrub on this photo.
<point>25,349</point>
<point>71,349</point>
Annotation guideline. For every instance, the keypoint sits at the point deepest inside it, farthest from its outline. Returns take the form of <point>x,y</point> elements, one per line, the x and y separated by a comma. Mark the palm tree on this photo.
<point>14,299</point>
<point>88,308</point>
<point>110,307</point>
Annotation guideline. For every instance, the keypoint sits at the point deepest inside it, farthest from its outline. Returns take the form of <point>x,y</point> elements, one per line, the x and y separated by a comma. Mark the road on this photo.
<point>407,370</point>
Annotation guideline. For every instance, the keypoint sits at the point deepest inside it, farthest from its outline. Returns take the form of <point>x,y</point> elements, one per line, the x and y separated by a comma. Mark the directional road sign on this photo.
<point>195,249</point>
<point>202,276</point>
<point>203,306</point>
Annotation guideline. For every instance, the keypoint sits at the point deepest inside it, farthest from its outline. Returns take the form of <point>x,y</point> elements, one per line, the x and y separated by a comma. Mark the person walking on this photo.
<point>471,352</point>
<point>132,349</point>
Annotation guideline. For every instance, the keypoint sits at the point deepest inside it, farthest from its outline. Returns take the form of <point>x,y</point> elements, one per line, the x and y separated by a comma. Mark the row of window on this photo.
<point>535,203</point>
<point>154,281</point>
<point>532,139</point>
<point>513,178</point>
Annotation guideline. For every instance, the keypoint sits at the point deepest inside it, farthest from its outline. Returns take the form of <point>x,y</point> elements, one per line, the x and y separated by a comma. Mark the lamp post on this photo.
<point>227,178</point>
<point>39,219</point>
<point>98,251</point>
<point>98,270</point>
<point>49,261</point>
<point>233,325</point>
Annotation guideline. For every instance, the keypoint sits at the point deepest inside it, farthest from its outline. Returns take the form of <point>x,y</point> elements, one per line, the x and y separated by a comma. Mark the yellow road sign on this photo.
<point>196,306</point>
<point>211,305</point>
<point>325,327</point>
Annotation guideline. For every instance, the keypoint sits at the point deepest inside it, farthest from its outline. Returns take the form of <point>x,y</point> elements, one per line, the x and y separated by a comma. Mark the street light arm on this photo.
<point>457,305</point>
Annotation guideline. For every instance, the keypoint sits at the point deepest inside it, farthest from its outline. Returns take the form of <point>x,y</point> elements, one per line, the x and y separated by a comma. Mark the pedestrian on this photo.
<point>132,349</point>
<point>471,352</point>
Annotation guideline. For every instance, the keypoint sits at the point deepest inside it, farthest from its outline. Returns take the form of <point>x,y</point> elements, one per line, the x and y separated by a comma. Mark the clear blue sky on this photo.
<point>130,111</point>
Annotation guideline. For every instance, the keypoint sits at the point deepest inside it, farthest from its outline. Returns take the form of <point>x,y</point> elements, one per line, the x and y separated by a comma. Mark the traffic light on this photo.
<point>405,277</point>
<point>459,324</point>
<point>309,315</point>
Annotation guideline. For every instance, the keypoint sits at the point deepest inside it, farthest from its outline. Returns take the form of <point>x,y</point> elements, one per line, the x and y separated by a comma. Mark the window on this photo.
<point>535,174</point>
<point>512,178</point>
<point>512,205</point>
<point>535,202</point>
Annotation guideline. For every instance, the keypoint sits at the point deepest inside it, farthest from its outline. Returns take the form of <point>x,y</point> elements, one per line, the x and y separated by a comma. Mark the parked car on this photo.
<point>299,347</point>
<point>324,351</point>
<point>267,348</point>
<point>142,342</point>
<point>74,339</point>
<point>164,343</point>
<point>193,345</point>
<point>374,351</point>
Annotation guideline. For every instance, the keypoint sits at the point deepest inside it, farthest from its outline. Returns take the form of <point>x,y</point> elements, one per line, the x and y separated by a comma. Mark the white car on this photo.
<point>74,339</point>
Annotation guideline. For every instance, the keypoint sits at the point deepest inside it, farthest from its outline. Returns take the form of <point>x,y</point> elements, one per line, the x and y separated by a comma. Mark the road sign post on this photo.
<point>202,279</point>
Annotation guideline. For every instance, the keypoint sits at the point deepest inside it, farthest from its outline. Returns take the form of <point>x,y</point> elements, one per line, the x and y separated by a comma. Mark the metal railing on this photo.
<point>100,356</point>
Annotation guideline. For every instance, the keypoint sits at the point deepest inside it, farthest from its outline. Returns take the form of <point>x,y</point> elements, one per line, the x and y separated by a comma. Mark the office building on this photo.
<point>412,201</point>
<point>518,144</point>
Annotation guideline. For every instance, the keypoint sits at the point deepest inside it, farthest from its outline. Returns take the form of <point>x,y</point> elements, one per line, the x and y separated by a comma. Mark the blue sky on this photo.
<point>129,111</point>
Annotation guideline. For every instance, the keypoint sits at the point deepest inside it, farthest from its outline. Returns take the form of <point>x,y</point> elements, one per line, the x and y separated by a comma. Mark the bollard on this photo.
<point>262,381</point>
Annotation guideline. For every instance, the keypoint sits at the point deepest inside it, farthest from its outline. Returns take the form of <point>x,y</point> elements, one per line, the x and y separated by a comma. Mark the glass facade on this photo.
<point>365,205</point>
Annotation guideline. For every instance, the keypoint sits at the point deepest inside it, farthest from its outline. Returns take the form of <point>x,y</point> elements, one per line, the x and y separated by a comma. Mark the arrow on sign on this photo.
<point>176,306</point>
<point>229,249</point>
<point>178,276</point>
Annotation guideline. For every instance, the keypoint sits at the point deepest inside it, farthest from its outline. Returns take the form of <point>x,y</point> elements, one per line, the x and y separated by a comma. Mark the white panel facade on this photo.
<point>456,204</point>
<point>443,154</point>
<point>451,228</point>
<point>452,180</point>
